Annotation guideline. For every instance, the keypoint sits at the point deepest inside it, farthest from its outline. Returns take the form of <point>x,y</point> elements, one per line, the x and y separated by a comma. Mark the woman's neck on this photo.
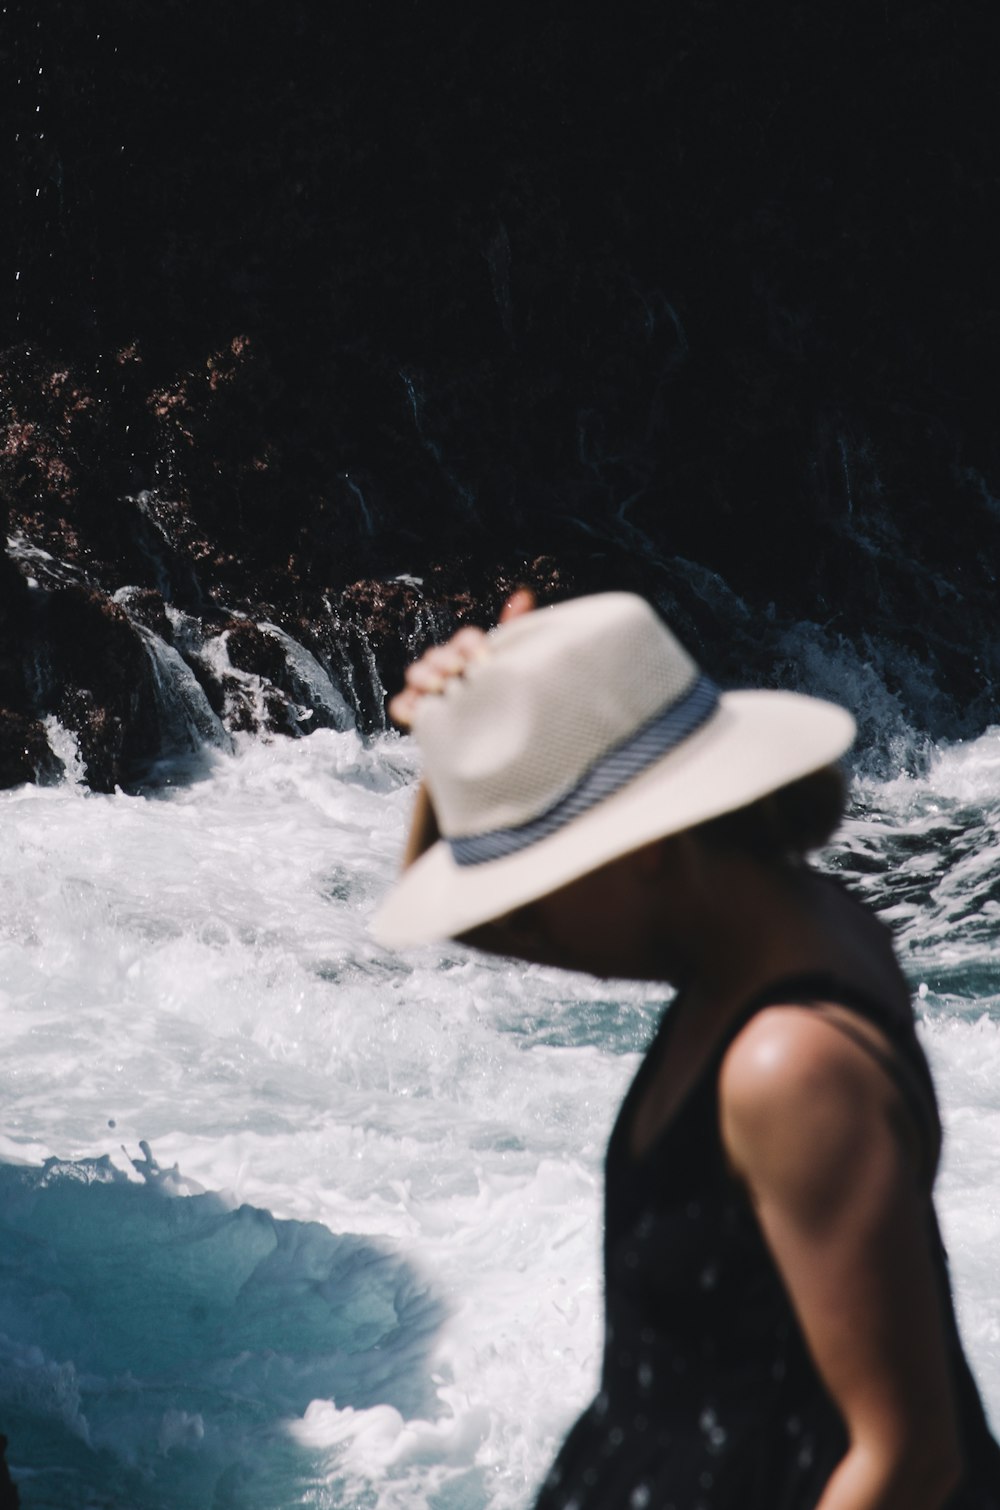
<point>749,923</point>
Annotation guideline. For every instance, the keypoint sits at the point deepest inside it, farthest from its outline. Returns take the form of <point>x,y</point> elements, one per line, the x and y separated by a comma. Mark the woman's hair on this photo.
<point>785,824</point>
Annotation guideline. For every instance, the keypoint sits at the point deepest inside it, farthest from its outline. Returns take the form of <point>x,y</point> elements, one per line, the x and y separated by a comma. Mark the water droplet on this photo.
<point>640,1497</point>
<point>708,1277</point>
<point>922,990</point>
<point>793,1426</point>
<point>111,1122</point>
<point>645,1376</point>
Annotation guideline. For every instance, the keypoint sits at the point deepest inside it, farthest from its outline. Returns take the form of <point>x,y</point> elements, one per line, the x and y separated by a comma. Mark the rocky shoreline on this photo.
<point>143,625</point>
<point>306,351</point>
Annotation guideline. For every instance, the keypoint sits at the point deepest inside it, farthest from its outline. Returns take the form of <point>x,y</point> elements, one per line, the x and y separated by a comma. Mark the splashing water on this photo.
<point>356,1261</point>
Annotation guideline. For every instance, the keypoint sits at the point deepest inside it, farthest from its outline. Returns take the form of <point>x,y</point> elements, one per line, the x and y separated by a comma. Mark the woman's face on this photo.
<point>627,919</point>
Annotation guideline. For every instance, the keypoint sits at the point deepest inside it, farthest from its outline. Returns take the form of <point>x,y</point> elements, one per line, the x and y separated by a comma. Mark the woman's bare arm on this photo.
<point>811,1124</point>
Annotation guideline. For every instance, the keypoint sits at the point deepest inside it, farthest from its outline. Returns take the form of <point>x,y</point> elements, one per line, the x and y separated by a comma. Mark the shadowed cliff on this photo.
<point>299,300</point>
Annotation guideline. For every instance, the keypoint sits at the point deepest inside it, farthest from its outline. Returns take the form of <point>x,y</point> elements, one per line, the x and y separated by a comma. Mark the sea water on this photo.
<point>288,1219</point>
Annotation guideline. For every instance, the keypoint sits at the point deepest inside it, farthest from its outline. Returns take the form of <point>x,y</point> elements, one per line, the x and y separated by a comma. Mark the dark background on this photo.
<point>700,299</point>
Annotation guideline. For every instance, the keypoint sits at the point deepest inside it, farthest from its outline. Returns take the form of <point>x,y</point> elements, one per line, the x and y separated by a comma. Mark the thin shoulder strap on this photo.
<point>907,1071</point>
<point>906,1080</point>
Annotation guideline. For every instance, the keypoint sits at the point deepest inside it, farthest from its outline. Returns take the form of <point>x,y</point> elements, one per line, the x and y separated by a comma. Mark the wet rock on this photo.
<point>699,306</point>
<point>248,680</point>
<point>101,735</point>
<point>96,677</point>
<point>9,1499</point>
<point>14,632</point>
<point>25,754</point>
<point>251,649</point>
<point>144,605</point>
<point>249,705</point>
<point>374,628</point>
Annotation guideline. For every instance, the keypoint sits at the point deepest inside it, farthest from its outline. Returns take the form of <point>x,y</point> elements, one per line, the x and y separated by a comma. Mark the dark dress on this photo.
<point>709,1399</point>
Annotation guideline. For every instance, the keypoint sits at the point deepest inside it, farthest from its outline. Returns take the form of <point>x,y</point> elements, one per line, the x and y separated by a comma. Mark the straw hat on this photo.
<point>583,732</point>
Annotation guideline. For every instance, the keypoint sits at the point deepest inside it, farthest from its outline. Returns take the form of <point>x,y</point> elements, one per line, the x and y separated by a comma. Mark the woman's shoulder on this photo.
<point>802,1101</point>
<point>790,1050</point>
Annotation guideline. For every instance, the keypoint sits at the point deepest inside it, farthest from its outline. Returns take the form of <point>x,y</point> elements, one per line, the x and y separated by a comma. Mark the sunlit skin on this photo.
<point>840,1202</point>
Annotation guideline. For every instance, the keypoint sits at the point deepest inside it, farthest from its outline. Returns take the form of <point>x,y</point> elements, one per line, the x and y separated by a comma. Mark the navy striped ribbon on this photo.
<point>607,775</point>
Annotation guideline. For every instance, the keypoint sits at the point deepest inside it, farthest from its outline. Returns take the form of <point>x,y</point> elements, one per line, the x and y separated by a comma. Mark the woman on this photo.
<point>779,1328</point>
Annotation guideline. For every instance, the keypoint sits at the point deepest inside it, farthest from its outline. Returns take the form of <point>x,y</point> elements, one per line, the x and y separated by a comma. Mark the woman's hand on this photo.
<point>818,1132</point>
<point>431,672</point>
<point>426,678</point>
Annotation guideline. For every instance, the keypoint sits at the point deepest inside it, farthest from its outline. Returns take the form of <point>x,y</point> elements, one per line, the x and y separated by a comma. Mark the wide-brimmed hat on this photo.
<point>583,732</point>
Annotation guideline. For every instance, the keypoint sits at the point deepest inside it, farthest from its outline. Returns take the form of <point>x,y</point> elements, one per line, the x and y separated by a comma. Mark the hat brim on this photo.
<point>755,743</point>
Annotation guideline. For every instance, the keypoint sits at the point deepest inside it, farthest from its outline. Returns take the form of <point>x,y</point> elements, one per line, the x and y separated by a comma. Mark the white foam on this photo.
<point>197,969</point>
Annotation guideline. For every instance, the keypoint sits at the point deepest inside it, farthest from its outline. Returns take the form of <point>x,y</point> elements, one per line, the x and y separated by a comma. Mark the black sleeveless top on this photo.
<point>709,1398</point>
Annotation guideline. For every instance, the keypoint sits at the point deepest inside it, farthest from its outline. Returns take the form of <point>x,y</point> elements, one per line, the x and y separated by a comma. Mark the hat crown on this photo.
<point>555,692</point>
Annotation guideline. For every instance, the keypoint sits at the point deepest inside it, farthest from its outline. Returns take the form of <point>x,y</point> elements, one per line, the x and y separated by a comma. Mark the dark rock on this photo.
<point>97,677</point>
<point>280,715</point>
<point>250,649</point>
<point>14,620</point>
<point>101,734</point>
<point>9,1499</point>
<point>25,754</point>
<point>144,605</point>
<point>264,698</point>
<point>707,297</point>
<point>375,627</point>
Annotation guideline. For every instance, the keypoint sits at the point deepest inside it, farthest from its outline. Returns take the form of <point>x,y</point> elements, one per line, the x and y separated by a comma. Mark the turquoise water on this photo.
<point>288,1220</point>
